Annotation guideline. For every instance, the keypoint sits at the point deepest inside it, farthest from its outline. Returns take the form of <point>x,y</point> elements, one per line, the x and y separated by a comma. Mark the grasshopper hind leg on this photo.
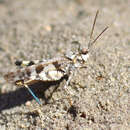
<point>26,63</point>
<point>31,92</point>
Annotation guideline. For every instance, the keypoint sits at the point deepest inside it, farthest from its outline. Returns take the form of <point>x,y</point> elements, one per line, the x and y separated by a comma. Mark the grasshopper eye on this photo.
<point>84,51</point>
<point>84,54</point>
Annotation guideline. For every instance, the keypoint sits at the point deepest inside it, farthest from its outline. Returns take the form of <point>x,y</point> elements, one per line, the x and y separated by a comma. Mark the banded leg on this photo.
<point>68,81</point>
<point>27,63</point>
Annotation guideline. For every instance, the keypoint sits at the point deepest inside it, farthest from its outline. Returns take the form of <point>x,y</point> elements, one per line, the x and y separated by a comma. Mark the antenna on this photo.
<point>93,28</point>
<point>99,35</point>
<point>91,43</point>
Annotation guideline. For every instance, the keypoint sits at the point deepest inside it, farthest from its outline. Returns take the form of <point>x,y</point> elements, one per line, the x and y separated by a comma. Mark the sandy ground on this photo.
<point>40,29</point>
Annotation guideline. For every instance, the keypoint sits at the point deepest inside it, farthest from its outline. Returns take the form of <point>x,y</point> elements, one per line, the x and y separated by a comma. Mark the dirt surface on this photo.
<point>40,29</point>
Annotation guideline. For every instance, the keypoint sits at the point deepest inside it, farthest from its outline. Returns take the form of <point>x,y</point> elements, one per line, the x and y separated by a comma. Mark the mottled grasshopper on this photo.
<point>52,69</point>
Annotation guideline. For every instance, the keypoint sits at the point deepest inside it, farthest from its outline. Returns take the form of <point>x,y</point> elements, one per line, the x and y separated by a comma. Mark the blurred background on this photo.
<point>37,29</point>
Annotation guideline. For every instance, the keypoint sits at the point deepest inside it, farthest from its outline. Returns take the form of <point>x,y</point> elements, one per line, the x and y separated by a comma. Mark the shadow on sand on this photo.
<point>21,95</point>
